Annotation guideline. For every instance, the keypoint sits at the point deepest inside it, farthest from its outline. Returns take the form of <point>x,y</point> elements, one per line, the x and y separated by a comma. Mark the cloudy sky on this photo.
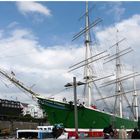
<point>35,41</point>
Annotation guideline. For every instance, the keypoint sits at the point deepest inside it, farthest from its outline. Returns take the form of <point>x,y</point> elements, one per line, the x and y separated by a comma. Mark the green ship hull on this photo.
<point>59,112</point>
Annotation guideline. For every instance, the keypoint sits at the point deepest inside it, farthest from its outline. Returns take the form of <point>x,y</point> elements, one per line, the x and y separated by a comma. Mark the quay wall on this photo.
<point>13,125</point>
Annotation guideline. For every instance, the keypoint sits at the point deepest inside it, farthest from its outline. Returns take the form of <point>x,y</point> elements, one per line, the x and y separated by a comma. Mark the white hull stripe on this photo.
<point>84,130</point>
<point>91,130</point>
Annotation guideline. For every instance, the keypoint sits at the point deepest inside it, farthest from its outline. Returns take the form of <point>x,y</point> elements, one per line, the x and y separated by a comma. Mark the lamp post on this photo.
<point>75,105</point>
<point>75,84</point>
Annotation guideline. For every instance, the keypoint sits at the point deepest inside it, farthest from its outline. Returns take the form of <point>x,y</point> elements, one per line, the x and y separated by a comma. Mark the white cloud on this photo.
<point>128,28</point>
<point>13,24</point>
<point>27,7</point>
<point>47,67</point>
<point>117,10</point>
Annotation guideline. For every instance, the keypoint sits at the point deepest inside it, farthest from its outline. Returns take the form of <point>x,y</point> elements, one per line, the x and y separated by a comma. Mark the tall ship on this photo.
<point>88,114</point>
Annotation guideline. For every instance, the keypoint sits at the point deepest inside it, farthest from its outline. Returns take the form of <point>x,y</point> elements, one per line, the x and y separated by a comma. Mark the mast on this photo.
<point>118,81</point>
<point>87,69</point>
<point>119,90</point>
<point>88,75</point>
